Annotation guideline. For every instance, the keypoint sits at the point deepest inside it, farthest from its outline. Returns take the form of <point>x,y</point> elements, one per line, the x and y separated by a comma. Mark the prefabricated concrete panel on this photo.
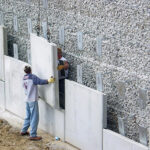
<point>115,141</point>
<point>44,64</point>
<point>83,116</point>
<point>51,120</point>
<point>15,96</point>
<point>3,50</point>
<point>1,54</point>
<point>2,94</point>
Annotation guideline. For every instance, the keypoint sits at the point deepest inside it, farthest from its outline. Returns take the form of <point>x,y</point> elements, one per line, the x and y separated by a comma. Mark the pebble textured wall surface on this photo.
<point>124,61</point>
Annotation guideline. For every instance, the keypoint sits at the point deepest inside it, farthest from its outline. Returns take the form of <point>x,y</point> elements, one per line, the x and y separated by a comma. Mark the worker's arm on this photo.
<point>38,81</point>
<point>65,66</point>
<point>51,80</point>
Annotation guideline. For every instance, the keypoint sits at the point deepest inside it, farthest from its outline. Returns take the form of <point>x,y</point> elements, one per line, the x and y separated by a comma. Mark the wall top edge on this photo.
<point>93,90</point>
<point>43,39</point>
<point>124,138</point>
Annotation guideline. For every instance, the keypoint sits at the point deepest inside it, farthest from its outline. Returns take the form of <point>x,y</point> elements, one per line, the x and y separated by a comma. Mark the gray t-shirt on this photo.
<point>30,83</point>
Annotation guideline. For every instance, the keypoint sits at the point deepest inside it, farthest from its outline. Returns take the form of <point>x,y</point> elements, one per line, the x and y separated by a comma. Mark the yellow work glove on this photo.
<point>60,67</point>
<point>51,80</point>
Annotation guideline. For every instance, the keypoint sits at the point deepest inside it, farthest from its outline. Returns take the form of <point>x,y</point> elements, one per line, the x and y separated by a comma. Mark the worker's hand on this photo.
<point>60,67</point>
<point>51,80</point>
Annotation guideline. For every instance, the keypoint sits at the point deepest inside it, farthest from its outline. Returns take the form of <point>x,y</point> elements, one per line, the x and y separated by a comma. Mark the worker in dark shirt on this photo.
<point>63,67</point>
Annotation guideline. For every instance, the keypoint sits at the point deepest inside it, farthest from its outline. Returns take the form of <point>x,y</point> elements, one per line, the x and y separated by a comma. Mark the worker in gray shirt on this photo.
<point>30,82</point>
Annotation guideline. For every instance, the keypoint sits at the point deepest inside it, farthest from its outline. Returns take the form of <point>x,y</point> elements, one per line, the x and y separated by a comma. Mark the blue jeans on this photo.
<point>32,118</point>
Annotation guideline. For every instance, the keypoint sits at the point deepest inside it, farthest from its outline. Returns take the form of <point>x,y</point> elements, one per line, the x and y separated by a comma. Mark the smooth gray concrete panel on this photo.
<point>2,95</point>
<point>3,49</point>
<point>115,141</point>
<point>44,64</point>
<point>1,54</point>
<point>83,116</point>
<point>51,120</point>
<point>15,96</point>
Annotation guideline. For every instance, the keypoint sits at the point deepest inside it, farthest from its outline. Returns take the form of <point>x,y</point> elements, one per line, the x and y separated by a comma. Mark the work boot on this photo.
<point>36,138</point>
<point>24,133</point>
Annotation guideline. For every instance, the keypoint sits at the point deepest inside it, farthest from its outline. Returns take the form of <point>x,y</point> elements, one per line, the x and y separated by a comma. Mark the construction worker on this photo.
<point>30,82</point>
<point>63,66</point>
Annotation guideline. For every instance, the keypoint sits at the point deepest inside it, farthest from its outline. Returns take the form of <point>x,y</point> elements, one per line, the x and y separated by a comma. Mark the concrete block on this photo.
<point>3,50</point>
<point>51,120</point>
<point>15,95</point>
<point>2,95</point>
<point>115,141</point>
<point>84,116</point>
<point>44,64</point>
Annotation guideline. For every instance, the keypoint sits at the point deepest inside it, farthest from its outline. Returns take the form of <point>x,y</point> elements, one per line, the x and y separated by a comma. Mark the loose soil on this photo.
<point>10,139</point>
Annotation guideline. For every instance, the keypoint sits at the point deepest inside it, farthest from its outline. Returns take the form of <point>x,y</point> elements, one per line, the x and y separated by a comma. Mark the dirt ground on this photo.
<point>10,139</point>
